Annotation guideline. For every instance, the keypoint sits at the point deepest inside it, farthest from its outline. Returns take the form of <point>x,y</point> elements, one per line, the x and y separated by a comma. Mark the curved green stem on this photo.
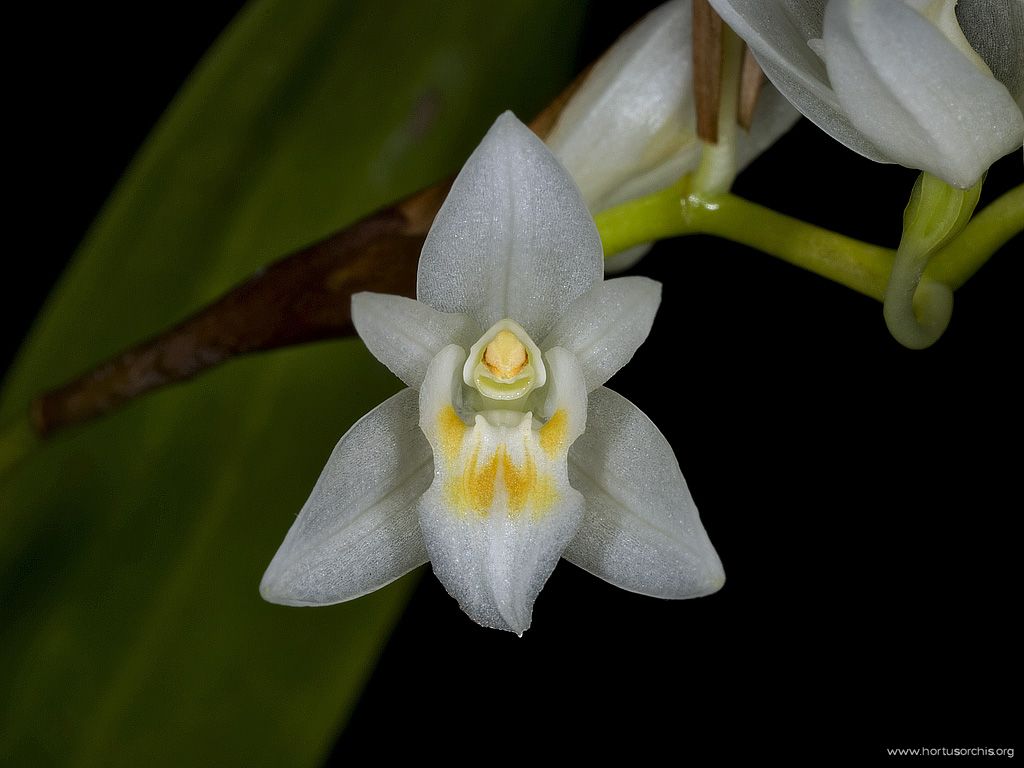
<point>644,219</point>
<point>917,314</point>
<point>855,264</point>
<point>678,211</point>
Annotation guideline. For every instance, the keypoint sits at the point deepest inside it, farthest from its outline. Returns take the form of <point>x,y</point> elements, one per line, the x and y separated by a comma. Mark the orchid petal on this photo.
<point>406,335</point>
<point>914,94</point>
<point>635,109</point>
<point>606,325</point>
<point>358,530</point>
<point>778,31</point>
<point>641,530</point>
<point>500,510</point>
<point>513,239</point>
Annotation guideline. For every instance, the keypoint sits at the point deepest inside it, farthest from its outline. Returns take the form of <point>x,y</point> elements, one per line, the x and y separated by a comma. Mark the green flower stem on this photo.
<point>860,266</point>
<point>855,264</point>
<point>676,211</point>
<point>16,440</point>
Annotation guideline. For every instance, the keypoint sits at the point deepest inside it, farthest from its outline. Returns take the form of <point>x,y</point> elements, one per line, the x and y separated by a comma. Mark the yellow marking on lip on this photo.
<point>473,489</point>
<point>451,430</point>
<point>552,434</point>
<point>527,489</point>
<point>476,480</point>
<point>519,482</point>
<point>478,484</point>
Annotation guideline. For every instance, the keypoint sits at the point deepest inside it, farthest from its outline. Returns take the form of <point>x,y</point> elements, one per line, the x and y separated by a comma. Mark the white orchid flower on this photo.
<point>631,128</point>
<point>511,454</point>
<point>923,83</point>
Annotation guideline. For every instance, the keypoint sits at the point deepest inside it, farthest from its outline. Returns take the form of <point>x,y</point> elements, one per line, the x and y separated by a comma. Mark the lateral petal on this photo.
<point>606,325</point>
<point>358,530</point>
<point>641,530</point>
<point>405,334</point>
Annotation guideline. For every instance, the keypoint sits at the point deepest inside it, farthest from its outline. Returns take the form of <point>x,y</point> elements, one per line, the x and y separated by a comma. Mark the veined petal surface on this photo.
<point>358,530</point>
<point>604,326</point>
<point>513,239</point>
<point>635,110</point>
<point>406,335</point>
<point>641,530</point>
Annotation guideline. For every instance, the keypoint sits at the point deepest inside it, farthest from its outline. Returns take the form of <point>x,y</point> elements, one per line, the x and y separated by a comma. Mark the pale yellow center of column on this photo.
<point>505,355</point>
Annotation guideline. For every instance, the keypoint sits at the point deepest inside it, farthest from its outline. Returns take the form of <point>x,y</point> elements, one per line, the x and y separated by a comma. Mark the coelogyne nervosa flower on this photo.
<point>505,452</point>
<point>930,84</point>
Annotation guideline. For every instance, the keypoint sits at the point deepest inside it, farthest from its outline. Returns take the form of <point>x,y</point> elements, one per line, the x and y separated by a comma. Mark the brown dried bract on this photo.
<point>707,69</point>
<point>751,82</point>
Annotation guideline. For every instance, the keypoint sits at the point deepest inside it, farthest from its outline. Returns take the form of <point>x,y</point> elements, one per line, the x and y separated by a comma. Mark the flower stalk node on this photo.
<point>917,313</point>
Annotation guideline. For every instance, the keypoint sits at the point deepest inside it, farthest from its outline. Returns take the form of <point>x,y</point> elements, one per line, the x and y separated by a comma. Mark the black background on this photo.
<point>863,498</point>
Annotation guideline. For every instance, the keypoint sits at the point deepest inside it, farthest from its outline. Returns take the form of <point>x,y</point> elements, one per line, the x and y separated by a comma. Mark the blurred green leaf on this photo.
<point>131,550</point>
